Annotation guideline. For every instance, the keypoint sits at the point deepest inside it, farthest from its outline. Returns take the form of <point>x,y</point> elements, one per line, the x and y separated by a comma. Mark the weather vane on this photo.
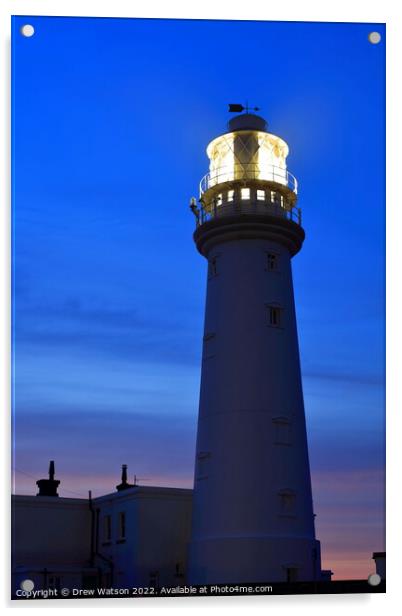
<point>237,108</point>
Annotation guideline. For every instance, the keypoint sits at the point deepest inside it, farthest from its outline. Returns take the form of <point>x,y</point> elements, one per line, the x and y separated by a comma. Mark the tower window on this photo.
<point>219,199</point>
<point>274,316</point>
<point>212,267</point>
<point>122,525</point>
<point>107,528</point>
<point>260,195</point>
<point>291,574</point>
<point>202,464</point>
<point>273,196</point>
<point>245,193</point>
<point>272,261</point>
<point>282,430</point>
<point>209,346</point>
<point>287,503</point>
<point>230,195</point>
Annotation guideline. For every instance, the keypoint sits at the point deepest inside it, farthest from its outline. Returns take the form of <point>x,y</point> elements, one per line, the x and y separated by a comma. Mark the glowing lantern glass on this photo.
<point>247,154</point>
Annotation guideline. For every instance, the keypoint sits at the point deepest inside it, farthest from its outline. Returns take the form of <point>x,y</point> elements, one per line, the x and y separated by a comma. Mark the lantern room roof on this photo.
<point>247,121</point>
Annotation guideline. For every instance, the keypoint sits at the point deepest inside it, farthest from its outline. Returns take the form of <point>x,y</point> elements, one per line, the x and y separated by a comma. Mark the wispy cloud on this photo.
<point>332,374</point>
<point>111,331</point>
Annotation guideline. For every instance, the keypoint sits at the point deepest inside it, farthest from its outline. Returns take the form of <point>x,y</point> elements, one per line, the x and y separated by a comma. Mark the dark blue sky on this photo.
<point>111,121</point>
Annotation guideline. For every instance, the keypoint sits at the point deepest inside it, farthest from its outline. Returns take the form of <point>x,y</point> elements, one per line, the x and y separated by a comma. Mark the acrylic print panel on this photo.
<point>198,301</point>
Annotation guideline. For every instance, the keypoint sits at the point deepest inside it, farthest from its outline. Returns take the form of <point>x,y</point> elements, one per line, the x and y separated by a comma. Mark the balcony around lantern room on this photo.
<point>248,171</point>
<point>244,190</point>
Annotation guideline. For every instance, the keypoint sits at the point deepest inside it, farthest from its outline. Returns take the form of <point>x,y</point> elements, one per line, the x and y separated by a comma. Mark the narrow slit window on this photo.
<point>219,200</point>
<point>245,193</point>
<point>260,195</point>
<point>122,525</point>
<point>272,261</point>
<point>107,528</point>
<point>274,316</point>
<point>212,267</point>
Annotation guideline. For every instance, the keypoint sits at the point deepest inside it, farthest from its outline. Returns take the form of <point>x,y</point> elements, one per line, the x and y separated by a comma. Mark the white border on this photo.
<point>387,11</point>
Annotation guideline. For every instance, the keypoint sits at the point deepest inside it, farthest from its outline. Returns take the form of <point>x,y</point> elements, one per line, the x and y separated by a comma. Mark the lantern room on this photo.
<point>248,167</point>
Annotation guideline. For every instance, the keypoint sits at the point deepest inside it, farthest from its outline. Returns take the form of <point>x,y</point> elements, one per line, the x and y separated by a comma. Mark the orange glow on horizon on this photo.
<point>343,537</point>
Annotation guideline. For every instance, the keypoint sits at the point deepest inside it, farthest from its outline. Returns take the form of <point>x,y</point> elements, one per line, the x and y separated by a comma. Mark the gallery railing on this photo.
<point>248,171</point>
<point>239,208</point>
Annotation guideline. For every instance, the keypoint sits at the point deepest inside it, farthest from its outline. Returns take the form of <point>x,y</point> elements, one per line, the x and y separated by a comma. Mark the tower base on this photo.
<point>233,560</point>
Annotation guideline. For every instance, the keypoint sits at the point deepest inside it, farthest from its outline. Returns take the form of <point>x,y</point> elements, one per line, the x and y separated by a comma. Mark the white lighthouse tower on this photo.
<point>253,515</point>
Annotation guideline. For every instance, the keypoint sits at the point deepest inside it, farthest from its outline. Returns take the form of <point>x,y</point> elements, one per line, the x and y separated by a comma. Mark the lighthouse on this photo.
<point>253,517</point>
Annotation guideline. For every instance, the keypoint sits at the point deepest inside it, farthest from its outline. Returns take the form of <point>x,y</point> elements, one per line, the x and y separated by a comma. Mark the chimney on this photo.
<point>48,487</point>
<point>124,485</point>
